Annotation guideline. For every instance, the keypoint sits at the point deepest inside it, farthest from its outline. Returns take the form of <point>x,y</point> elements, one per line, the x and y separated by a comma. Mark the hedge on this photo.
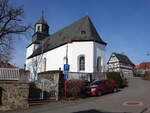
<point>74,87</point>
<point>116,77</point>
<point>146,78</point>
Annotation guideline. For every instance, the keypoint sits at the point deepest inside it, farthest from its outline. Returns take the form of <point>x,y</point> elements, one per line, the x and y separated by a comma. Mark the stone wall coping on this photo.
<point>49,72</point>
<point>12,82</point>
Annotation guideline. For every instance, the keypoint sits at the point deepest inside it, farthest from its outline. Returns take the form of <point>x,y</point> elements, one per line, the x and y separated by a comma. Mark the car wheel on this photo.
<point>99,93</point>
<point>115,89</point>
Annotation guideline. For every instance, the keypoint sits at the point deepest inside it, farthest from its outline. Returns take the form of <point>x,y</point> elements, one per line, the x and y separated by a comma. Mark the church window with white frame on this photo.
<point>81,62</point>
<point>99,60</point>
<point>44,64</point>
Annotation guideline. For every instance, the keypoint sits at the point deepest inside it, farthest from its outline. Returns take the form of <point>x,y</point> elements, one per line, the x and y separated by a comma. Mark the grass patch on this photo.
<point>146,78</point>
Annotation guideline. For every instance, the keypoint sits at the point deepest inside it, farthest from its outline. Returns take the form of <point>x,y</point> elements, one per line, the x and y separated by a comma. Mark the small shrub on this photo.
<point>116,77</point>
<point>74,87</point>
<point>146,78</point>
<point>32,85</point>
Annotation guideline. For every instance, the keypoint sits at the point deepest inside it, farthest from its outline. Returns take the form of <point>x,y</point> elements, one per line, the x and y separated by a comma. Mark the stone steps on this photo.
<point>40,102</point>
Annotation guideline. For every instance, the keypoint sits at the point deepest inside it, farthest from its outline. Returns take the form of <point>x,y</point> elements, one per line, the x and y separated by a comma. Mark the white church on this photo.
<point>78,45</point>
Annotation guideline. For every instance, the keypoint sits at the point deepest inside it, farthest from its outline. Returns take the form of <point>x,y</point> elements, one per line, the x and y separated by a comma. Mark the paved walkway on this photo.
<point>138,91</point>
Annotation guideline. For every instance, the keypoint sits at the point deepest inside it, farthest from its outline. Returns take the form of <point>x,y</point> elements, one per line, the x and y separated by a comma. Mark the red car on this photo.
<point>100,87</point>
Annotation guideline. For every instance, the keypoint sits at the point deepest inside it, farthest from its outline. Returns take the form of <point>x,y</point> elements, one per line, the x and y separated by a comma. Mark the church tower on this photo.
<point>41,30</point>
<point>41,26</point>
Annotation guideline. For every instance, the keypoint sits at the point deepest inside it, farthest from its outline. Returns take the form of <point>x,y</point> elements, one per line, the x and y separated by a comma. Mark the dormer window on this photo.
<point>83,32</point>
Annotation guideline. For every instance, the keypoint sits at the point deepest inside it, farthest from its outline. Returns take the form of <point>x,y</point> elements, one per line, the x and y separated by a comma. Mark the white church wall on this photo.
<point>53,60</point>
<point>34,65</point>
<point>30,49</point>
<point>77,49</point>
<point>99,51</point>
<point>55,57</point>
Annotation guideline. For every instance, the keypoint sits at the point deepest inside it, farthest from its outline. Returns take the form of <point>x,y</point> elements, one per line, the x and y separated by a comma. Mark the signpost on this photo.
<point>66,69</point>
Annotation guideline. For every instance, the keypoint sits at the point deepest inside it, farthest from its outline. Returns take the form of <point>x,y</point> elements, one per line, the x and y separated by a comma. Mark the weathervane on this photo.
<point>42,13</point>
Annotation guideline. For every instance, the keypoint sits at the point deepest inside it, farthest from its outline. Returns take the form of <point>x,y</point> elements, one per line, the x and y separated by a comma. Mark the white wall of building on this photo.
<point>55,57</point>
<point>116,66</point>
<point>99,51</point>
<point>77,49</point>
<point>30,49</point>
<point>35,65</point>
<point>113,64</point>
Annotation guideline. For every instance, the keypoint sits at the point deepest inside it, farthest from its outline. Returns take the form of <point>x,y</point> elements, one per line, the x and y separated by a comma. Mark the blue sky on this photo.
<point>123,24</point>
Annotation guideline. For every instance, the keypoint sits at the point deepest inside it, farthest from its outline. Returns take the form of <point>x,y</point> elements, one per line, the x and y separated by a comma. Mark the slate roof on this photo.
<point>39,36</point>
<point>81,30</point>
<point>123,58</point>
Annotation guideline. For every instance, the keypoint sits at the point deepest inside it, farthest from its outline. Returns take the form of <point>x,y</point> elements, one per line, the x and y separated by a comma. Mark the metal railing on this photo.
<point>84,76</point>
<point>9,74</point>
<point>77,75</point>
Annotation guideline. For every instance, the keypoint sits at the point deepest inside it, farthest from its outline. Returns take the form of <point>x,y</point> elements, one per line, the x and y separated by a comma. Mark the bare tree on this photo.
<point>11,24</point>
<point>37,62</point>
<point>35,65</point>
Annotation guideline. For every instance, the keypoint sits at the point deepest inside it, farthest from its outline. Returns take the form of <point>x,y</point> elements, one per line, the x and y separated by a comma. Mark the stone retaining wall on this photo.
<point>13,95</point>
<point>52,82</point>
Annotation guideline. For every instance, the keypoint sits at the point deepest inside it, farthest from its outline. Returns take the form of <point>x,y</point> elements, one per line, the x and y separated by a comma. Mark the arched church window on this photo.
<point>99,64</point>
<point>82,63</point>
<point>44,64</point>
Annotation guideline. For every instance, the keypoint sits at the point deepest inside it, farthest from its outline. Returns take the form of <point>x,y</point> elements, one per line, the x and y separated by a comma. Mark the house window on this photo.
<point>44,64</point>
<point>83,32</point>
<point>82,63</point>
<point>99,67</point>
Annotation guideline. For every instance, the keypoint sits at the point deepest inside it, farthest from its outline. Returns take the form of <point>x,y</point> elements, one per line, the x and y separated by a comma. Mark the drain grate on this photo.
<point>133,103</point>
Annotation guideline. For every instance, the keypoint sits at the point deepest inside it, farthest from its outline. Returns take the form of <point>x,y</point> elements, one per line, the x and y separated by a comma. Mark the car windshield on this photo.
<point>97,83</point>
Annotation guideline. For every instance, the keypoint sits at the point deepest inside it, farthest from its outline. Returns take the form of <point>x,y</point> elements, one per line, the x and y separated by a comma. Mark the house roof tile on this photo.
<point>6,65</point>
<point>143,65</point>
<point>123,58</point>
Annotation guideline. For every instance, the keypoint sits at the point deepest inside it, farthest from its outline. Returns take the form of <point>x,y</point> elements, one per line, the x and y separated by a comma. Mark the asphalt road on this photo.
<point>137,94</point>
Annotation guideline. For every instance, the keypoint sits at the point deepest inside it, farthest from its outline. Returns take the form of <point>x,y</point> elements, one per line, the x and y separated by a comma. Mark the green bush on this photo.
<point>116,77</point>
<point>146,78</point>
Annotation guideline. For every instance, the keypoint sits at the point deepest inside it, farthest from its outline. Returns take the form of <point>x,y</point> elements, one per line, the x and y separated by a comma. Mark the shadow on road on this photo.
<point>97,111</point>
